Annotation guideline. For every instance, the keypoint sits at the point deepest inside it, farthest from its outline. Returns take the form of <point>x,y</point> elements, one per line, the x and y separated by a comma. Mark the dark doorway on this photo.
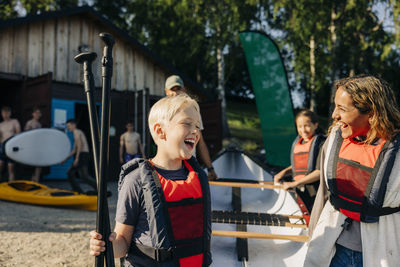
<point>82,123</point>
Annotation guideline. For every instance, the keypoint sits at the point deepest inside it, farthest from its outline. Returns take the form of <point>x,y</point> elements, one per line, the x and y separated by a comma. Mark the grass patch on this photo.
<point>244,125</point>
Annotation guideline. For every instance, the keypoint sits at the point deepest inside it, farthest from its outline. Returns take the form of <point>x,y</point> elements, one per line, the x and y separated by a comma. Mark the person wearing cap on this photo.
<point>174,86</point>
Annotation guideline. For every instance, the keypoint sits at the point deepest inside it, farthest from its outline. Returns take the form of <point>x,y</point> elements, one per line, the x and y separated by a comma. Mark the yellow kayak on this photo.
<point>38,194</point>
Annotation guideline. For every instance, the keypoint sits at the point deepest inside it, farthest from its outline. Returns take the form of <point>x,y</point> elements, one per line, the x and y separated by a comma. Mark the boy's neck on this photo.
<point>166,164</point>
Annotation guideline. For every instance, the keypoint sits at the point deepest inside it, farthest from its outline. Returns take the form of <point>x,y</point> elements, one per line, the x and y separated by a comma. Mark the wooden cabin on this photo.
<point>37,68</point>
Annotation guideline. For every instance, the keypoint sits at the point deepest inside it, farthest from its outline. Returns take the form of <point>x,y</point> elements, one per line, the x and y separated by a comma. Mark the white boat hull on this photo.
<point>261,252</point>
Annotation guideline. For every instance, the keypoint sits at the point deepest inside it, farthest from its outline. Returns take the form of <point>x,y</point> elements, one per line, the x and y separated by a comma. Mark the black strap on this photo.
<point>373,211</point>
<point>163,255</point>
<point>367,210</point>
<point>157,254</point>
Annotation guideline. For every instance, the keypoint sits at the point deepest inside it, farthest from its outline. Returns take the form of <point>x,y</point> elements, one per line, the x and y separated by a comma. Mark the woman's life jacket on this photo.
<point>357,175</point>
<point>303,157</point>
<point>177,217</point>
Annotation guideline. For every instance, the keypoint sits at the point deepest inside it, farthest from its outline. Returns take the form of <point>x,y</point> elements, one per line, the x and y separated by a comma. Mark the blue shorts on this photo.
<point>2,155</point>
<point>128,157</point>
<point>346,257</point>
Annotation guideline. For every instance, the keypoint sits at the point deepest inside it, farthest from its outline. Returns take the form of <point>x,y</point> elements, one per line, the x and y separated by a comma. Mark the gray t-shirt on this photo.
<point>351,237</point>
<point>131,211</point>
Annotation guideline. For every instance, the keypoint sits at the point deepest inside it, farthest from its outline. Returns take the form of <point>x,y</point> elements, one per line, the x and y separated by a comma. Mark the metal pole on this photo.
<point>144,120</point>
<point>136,110</point>
<point>103,219</point>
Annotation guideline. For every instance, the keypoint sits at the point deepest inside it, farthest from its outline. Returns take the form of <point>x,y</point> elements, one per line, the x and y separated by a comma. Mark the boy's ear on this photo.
<point>159,131</point>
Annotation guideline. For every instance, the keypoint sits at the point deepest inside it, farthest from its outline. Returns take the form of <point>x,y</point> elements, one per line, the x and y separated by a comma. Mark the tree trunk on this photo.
<point>313,104</point>
<point>221,91</point>
<point>332,29</point>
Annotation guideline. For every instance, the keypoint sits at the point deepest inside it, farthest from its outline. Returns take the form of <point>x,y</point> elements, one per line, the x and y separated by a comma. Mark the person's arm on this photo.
<point>72,152</point>
<point>278,177</point>
<point>121,149</point>
<point>205,157</point>
<point>308,179</point>
<point>17,127</point>
<point>120,238</point>
<point>27,126</point>
<point>79,144</point>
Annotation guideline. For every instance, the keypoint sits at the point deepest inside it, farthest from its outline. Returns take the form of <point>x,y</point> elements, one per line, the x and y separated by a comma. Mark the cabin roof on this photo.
<point>93,14</point>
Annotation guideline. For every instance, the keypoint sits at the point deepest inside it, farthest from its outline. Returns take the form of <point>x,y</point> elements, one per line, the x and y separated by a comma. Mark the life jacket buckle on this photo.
<point>162,255</point>
<point>347,223</point>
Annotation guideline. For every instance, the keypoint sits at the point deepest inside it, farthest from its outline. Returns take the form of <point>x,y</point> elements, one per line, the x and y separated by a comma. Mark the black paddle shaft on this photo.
<point>103,220</point>
<point>87,59</point>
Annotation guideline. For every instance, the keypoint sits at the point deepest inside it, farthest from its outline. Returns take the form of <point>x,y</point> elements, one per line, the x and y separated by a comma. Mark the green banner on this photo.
<point>271,89</point>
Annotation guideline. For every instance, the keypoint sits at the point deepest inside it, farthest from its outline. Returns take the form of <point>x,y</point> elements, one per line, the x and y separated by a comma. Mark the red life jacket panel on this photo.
<point>184,202</point>
<point>355,160</point>
<point>301,154</point>
<point>304,156</point>
<point>357,174</point>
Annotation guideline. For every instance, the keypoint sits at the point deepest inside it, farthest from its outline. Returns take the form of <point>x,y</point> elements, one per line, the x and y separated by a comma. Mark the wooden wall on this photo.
<point>40,47</point>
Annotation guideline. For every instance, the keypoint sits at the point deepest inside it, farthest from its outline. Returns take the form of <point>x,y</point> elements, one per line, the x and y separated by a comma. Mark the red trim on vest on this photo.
<point>187,220</point>
<point>301,154</point>
<point>364,155</point>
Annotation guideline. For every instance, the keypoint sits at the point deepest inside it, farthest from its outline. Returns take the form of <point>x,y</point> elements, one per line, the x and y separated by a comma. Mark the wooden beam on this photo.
<point>295,216</point>
<point>296,225</point>
<point>240,184</point>
<point>296,238</point>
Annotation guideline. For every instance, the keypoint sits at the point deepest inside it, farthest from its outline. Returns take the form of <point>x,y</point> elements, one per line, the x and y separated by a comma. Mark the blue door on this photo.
<point>61,111</point>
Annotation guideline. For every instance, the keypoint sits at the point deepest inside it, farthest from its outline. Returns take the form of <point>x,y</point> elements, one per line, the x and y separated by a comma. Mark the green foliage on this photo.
<point>349,37</point>
<point>7,9</point>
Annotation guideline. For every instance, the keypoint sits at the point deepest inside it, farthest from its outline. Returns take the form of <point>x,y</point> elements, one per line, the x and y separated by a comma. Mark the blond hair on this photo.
<point>164,110</point>
<point>372,95</point>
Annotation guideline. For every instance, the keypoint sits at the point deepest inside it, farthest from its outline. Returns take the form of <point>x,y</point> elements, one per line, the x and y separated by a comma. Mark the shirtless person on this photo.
<point>8,128</point>
<point>30,125</point>
<point>81,162</point>
<point>130,144</point>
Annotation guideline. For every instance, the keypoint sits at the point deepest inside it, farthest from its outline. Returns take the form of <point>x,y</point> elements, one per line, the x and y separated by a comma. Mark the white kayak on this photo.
<point>279,251</point>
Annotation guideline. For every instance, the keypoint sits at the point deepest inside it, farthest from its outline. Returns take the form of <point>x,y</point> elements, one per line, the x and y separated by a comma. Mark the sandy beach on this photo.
<point>46,236</point>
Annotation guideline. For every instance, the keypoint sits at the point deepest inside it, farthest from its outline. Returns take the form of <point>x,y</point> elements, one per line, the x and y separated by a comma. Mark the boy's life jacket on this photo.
<point>357,176</point>
<point>303,157</point>
<point>177,212</point>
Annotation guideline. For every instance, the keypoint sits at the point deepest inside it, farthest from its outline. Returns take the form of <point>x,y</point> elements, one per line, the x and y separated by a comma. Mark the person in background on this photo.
<point>356,215</point>
<point>34,123</point>
<point>163,213</point>
<point>81,161</point>
<point>8,128</point>
<point>304,168</point>
<point>130,146</point>
<point>174,86</point>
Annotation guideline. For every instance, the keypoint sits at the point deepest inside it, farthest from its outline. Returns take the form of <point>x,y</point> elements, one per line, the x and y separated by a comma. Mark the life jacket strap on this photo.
<point>163,255</point>
<point>368,210</point>
<point>373,211</point>
<point>158,254</point>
